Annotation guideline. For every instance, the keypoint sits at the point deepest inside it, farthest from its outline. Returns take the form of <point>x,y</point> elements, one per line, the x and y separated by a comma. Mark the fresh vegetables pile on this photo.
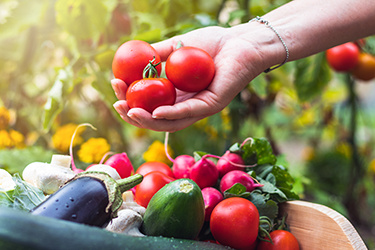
<point>353,58</point>
<point>231,200</point>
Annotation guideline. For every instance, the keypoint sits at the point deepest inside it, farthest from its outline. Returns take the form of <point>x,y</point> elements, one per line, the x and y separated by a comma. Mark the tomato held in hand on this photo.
<point>131,58</point>
<point>234,222</point>
<point>343,57</point>
<point>282,240</point>
<point>150,184</point>
<point>365,69</point>
<point>150,93</point>
<point>151,166</point>
<point>190,69</point>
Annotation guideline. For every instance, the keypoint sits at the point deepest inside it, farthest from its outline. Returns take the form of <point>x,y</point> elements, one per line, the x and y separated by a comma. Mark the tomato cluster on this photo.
<point>138,64</point>
<point>350,57</point>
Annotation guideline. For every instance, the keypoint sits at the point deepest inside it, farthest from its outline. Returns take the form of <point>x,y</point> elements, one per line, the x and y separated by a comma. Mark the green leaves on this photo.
<point>311,77</point>
<point>84,19</point>
<point>23,197</point>
<point>60,88</point>
<point>277,182</point>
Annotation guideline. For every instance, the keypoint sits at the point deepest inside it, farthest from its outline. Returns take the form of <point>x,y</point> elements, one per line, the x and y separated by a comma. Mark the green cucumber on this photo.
<point>176,210</point>
<point>20,230</point>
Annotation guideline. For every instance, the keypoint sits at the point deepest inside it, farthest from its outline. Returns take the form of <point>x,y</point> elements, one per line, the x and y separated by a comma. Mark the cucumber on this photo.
<point>176,210</point>
<point>20,230</point>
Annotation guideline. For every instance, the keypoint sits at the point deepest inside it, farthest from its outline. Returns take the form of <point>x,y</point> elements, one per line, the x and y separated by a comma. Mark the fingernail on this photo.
<point>116,88</point>
<point>119,109</point>
<point>132,116</point>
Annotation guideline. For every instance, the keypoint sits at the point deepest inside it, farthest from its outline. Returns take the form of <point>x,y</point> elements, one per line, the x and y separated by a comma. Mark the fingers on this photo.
<point>165,48</point>
<point>120,88</point>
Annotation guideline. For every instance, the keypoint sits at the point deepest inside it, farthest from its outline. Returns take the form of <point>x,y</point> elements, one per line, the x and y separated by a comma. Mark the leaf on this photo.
<point>262,149</point>
<point>15,160</point>
<point>18,16</point>
<point>6,198</point>
<point>55,104</point>
<point>26,197</point>
<point>311,77</point>
<point>84,19</point>
<point>237,190</point>
<point>265,206</point>
<point>271,189</point>
<point>259,85</point>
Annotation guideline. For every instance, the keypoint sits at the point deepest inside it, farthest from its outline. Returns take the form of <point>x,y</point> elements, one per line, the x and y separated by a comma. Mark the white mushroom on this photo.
<point>128,222</point>
<point>129,203</point>
<point>49,177</point>
<point>106,169</point>
<point>6,180</point>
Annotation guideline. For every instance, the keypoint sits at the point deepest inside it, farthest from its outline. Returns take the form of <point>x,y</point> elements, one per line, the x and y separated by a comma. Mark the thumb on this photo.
<point>166,47</point>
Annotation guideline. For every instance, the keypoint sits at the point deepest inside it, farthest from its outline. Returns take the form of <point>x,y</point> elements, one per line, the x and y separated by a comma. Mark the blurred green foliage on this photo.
<point>55,63</point>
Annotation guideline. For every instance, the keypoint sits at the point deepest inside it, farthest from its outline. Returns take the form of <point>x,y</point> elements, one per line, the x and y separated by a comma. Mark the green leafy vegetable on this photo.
<point>23,197</point>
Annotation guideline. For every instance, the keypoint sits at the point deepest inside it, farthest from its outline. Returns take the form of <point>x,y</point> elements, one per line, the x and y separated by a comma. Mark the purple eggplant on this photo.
<point>90,198</point>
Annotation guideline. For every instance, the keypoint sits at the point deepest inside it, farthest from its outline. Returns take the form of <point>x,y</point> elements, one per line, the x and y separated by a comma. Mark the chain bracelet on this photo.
<point>262,20</point>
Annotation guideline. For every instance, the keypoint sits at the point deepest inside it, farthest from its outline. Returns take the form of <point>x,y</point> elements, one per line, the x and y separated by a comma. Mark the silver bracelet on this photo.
<point>262,20</point>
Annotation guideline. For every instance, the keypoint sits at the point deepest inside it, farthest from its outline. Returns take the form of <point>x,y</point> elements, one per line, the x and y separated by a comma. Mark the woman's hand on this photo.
<point>231,54</point>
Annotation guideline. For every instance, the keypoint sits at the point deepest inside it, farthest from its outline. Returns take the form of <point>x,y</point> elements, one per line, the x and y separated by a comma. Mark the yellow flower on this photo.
<point>11,139</point>
<point>156,152</point>
<point>4,118</point>
<point>93,150</point>
<point>17,138</point>
<point>5,139</point>
<point>63,136</point>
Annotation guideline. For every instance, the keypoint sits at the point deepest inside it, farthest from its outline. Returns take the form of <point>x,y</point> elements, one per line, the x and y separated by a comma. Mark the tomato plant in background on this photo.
<point>343,57</point>
<point>365,69</point>
<point>131,58</point>
<point>234,222</point>
<point>190,69</point>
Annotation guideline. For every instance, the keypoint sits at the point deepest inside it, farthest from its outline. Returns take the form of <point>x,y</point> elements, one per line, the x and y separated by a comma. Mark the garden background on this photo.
<point>55,71</point>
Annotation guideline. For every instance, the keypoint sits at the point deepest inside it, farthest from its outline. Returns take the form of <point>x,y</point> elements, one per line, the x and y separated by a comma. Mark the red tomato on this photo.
<point>365,69</point>
<point>190,69</point>
<point>131,58</point>
<point>150,184</point>
<point>282,240</point>
<point>234,222</point>
<point>343,57</point>
<point>150,93</point>
<point>151,166</point>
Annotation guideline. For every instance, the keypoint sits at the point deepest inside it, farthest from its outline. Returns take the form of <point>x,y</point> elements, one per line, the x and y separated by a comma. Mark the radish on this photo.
<point>182,166</point>
<point>211,197</point>
<point>204,172</point>
<point>228,162</point>
<point>238,176</point>
<point>122,164</point>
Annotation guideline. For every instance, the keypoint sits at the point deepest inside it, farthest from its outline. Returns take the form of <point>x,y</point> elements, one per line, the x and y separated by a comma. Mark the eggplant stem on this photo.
<point>129,182</point>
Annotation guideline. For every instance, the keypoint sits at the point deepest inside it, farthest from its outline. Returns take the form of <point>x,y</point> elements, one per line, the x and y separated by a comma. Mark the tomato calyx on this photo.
<point>265,227</point>
<point>150,70</point>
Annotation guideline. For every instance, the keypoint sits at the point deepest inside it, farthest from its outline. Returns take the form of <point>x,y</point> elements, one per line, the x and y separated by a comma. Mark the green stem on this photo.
<point>150,70</point>
<point>356,173</point>
<point>129,182</point>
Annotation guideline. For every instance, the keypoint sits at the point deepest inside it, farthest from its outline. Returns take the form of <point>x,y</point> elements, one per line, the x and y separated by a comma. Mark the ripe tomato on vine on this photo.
<point>343,57</point>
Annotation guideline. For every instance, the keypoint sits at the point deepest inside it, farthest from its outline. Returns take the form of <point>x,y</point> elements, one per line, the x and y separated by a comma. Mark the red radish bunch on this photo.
<point>182,166</point>
<point>204,173</point>
<point>238,176</point>
<point>228,162</point>
<point>122,164</point>
<point>211,197</point>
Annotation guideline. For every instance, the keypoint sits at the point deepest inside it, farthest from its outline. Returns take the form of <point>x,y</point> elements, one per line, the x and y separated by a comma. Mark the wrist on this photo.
<point>264,42</point>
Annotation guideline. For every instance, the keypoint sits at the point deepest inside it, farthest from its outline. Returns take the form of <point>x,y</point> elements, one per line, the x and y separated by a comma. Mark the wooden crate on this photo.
<point>318,227</point>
